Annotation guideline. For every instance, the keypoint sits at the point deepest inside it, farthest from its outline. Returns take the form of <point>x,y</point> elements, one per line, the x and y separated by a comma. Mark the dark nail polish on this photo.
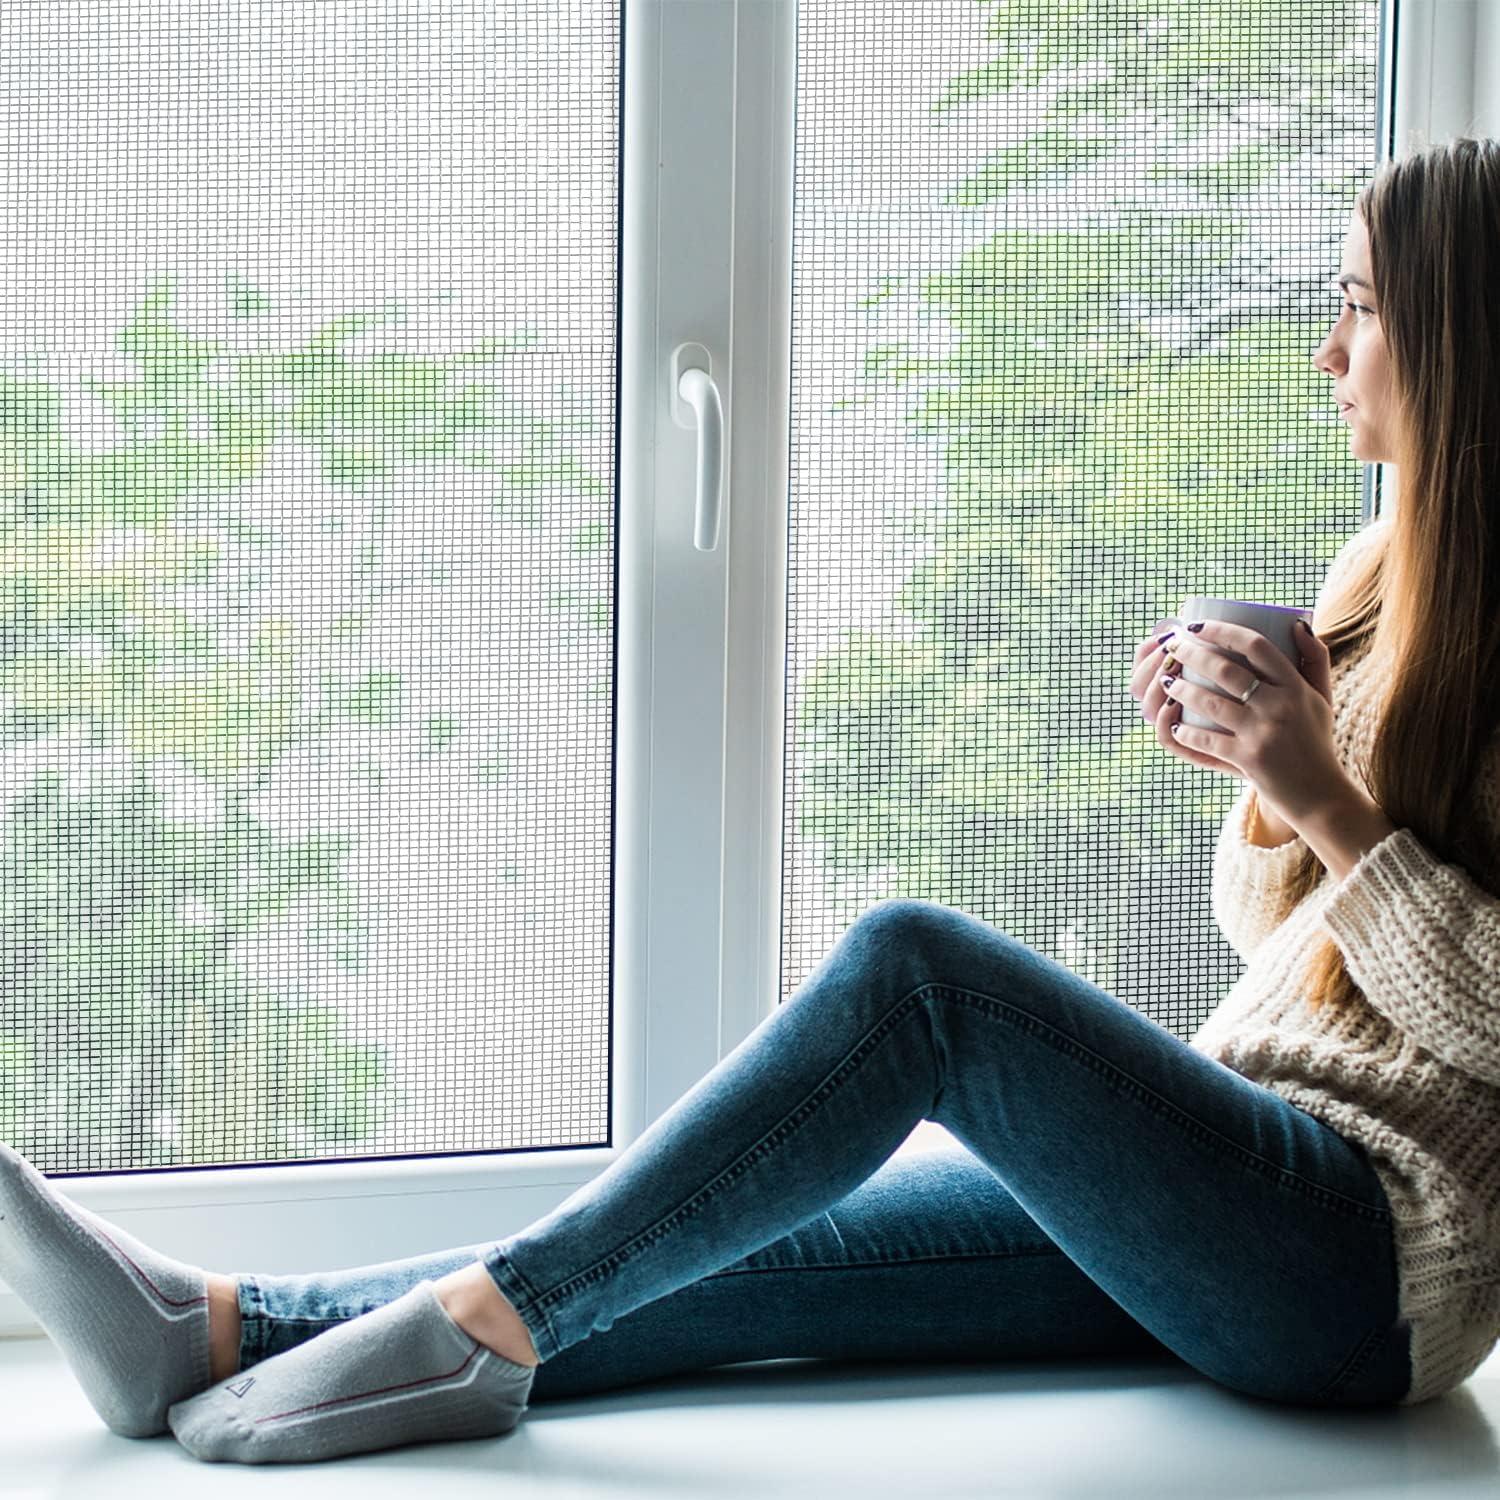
<point>1196,625</point>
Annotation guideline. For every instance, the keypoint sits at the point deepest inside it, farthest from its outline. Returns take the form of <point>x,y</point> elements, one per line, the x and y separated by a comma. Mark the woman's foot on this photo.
<point>404,1373</point>
<point>485,1313</point>
<point>132,1324</point>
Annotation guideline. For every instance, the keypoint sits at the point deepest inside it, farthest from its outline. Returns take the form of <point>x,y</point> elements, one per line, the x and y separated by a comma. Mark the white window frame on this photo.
<point>705,258</point>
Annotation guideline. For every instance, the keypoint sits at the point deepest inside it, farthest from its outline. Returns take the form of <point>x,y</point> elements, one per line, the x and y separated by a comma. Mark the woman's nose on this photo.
<point>1328,357</point>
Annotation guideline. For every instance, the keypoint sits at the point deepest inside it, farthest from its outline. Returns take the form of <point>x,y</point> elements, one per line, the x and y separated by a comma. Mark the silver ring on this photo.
<point>1250,690</point>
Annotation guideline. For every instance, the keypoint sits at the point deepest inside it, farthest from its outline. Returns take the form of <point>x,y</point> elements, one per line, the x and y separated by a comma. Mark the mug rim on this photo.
<point>1283,609</point>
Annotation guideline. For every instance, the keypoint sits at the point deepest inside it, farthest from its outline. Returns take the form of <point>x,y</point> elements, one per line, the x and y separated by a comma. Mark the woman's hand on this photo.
<point>1152,660</point>
<point>1281,738</point>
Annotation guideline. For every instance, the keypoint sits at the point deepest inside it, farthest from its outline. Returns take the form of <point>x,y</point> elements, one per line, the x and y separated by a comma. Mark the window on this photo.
<point>398,802</point>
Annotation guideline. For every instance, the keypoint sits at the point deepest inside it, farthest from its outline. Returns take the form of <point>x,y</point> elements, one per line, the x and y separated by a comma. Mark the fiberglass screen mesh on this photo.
<point>307,444</point>
<point>1058,272</point>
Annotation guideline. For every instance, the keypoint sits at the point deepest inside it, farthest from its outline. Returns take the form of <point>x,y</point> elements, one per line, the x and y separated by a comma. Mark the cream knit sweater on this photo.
<point>1413,1076</point>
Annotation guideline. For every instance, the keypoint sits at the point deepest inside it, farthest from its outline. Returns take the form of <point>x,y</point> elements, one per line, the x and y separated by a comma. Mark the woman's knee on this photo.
<point>897,941</point>
<point>905,923</point>
<point>932,943</point>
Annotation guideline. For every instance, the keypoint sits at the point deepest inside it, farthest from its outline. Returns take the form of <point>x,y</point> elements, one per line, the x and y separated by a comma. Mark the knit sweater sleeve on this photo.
<point>1422,941</point>
<point>1247,879</point>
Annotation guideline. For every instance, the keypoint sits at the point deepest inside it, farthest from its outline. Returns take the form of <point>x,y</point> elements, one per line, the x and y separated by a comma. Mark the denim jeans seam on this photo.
<point>522,1295</point>
<point>1326,1197</point>
<point>249,1290</point>
<point>878,1264</point>
<point>1364,1353</point>
<point>909,1004</point>
<point>523,1282</point>
<point>293,1318</point>
<point>255,1321</point>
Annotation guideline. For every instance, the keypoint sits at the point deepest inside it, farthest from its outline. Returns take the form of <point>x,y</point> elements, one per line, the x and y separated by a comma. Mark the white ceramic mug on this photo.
<point>1274,621</point>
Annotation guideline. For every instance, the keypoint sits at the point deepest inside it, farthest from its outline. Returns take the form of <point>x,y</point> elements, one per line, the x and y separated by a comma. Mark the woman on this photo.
<point>1302,1202</point>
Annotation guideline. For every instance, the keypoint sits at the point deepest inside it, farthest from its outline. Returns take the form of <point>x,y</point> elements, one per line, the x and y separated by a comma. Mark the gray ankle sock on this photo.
<point>132,1324</point>
<point>404,1373</point>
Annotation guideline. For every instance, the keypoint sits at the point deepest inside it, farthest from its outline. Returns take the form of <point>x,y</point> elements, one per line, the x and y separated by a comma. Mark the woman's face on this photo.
<point>1354,355</point>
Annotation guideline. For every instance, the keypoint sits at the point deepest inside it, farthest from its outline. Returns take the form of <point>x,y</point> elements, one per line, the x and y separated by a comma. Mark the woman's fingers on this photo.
<point>1157,709</point>
<point>1145,680</point>
<point>1148,645</point>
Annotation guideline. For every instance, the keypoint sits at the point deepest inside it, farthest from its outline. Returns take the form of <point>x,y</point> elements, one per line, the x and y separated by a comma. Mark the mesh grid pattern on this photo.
<point>1058,270</point>
<point>307,446</point>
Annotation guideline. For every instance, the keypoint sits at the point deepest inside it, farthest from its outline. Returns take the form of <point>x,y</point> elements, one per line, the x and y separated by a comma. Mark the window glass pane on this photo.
<point>307,464</point>
<point>1058,272</point>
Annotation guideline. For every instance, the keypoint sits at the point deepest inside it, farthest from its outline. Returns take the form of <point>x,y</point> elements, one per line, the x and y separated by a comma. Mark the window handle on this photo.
<point>695,403</point>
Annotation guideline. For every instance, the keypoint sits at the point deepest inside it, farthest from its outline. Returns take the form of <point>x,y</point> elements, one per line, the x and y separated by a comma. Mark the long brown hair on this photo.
<point>1427,596</point>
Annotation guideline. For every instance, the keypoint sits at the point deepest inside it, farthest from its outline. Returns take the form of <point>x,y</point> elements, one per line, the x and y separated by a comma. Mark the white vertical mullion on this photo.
<point>765,110</point>
<point>694,258</point>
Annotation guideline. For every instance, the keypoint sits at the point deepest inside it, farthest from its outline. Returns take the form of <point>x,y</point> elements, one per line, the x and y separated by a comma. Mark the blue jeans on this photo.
<point>1125,1196</point>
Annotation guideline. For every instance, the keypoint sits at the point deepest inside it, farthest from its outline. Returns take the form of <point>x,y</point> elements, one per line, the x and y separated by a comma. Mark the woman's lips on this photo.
<point>1346,408</point>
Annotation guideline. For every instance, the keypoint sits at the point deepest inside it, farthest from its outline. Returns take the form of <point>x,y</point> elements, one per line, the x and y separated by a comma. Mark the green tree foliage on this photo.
<point>130,1033</point>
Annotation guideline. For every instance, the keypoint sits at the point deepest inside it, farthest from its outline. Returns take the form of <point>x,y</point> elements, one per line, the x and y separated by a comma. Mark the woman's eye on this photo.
<point>1359,307</point>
